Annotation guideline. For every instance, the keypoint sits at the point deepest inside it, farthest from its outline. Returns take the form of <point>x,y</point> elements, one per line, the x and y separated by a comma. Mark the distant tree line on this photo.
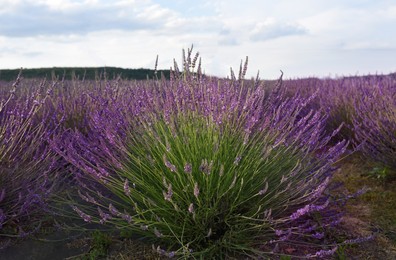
<point>92,73</point>
<point>83,73</point>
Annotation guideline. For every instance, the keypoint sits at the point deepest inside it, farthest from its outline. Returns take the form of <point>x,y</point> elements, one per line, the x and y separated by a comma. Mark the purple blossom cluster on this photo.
<point>341,98</point>
<point>363,105</point>
<point>375,122</point>
<point>29,170</point>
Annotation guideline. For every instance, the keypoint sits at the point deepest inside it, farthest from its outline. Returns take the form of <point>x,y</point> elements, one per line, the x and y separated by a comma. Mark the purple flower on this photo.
<point>196,190</point>
<point>206,167</point>
<point>157,233</point>
<point>283,234</point>
<point>160,251</point>
<point>127,190</point>
<point>87,198</point>
<point>358,240</point>
<point>104,216</point>
<point>84,216</point>
<point>188,168</point>
<point>300,212</point>
<point>168,195</point>
<point>126,217</point>
<point>237,160</point>
<point>267,213</point>
<point>323,253</point>
<point>279,232</point>
<point>318,235</point>
<point>307,209</point>
<point>103,172</point>
<point>169,165</point>
<point>319,190</point>
<point>191,208</point>
<point>263,191</point>
<point>114,211</point>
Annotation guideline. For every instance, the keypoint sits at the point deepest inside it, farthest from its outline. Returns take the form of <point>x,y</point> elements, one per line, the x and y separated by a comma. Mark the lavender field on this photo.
<point>201,167</point>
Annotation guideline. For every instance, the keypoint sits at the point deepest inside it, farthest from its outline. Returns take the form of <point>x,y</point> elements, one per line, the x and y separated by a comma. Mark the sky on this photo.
<point>302,38</point>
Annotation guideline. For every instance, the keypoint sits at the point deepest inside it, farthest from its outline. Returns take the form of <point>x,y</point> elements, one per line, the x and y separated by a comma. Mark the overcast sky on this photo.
<point>302,38</point>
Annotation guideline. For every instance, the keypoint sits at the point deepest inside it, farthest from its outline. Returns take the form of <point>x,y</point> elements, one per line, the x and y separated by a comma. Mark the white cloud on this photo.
<point>32,18</point>
<point>271,29</point>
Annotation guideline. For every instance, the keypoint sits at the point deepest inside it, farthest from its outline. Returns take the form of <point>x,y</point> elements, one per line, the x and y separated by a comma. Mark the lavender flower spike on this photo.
<point>206,167</point>
<point>188,168</point>
<point>300,212</point>
<point>196,190</point>
<point>157,233</point>
<point>323,253</point>
<point>191,208</point>
<point>168,195</point>
<point>169,165</point>
<point>263,191</point>
<point>127,217</point>
<point>84,216</point>
<point>104,216</point>
<point>127,190</point>
<point>114,211</point>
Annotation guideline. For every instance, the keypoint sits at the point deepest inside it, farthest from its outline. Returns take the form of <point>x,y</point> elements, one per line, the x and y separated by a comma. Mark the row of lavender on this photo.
<point>366,105</point>
<point>199,166</point>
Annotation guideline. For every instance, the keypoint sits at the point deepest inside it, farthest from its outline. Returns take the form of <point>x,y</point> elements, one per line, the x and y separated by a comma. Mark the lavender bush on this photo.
<point>206,167</point>
<point>375,123</point>
<point>335,97</point>
<point>338,98</point>
<point>27,166</point>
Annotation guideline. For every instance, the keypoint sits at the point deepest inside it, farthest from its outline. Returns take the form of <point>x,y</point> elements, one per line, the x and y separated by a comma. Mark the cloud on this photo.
<point>300,37</point>
<point>188,8</point>
<point>367,45</point>
<point>228,41</point>
<point>25,19</point>
<point>272,29</point>
<point>353,28</point>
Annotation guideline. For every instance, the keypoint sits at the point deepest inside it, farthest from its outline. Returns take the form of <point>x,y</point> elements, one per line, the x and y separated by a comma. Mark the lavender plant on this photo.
<point>206,167</point>
<point>27,166</point>
<point>338,98</point>
<point>335,97</point>
<point>375,123</point>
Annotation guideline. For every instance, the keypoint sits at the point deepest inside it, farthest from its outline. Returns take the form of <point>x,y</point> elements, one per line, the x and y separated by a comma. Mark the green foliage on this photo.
<point>99,246</point>
<point>380,173</point>
<point>341,252</point>
<point>126,233</point>
<point>197,185</point>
